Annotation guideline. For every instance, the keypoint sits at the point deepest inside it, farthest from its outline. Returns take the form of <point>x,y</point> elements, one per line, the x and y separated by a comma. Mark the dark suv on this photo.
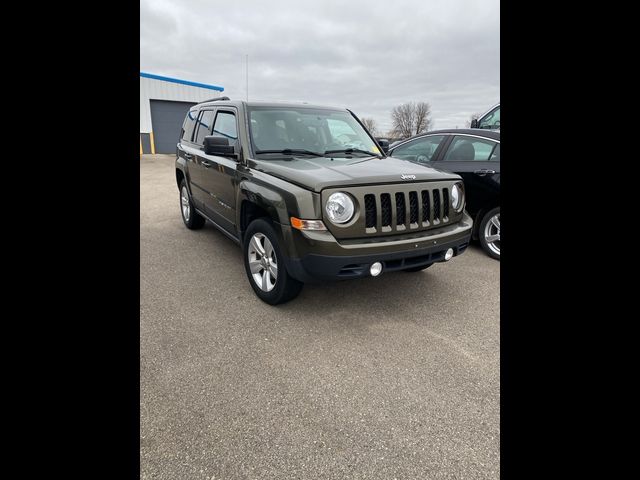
<point>309,195</point>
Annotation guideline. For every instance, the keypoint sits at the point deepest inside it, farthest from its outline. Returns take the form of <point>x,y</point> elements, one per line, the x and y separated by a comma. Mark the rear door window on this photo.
<point>188,125</point>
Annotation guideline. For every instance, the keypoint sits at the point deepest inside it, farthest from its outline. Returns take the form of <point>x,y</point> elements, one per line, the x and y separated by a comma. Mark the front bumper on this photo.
<point>321,257</point>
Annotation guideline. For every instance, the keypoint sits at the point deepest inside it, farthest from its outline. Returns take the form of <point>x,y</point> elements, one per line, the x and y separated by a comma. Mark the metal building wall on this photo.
<point>151,88</point>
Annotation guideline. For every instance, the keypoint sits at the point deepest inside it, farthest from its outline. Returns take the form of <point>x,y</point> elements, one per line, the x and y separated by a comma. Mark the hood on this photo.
<point>318,173</point>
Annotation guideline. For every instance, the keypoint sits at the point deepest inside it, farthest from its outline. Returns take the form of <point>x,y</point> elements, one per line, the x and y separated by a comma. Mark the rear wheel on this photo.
<point>489,233</point>
<point>264,264</point>
<point>190,217</point>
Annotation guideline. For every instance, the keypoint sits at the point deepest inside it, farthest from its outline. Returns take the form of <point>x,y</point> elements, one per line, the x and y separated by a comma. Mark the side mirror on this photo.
<point>214,145</point>
<point>474,123</point>
<point>384,144</point>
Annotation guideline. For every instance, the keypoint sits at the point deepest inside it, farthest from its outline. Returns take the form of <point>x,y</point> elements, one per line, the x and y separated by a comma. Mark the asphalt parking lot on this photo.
<point>380,378</point>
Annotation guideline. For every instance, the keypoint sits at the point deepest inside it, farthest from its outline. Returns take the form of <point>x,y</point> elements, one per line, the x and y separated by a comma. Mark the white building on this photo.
<point>164,102</point>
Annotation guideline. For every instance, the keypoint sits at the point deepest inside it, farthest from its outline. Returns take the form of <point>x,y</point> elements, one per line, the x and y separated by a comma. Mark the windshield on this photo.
<point>299,129</point>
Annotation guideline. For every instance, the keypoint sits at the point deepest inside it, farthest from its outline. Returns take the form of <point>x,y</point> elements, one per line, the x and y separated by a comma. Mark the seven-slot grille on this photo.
<point>431,206</point>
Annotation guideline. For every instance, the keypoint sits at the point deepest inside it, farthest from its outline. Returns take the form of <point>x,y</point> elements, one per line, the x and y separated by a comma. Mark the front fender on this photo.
<point>281,200</point>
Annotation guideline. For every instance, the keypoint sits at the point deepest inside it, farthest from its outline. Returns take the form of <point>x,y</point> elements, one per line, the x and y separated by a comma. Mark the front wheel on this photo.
<point>489,233</point>
<point>264,264</point>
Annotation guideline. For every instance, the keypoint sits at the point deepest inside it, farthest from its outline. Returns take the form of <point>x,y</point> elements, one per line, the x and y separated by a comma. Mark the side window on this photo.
<point>188,125</point>
<point>491,120</point>
<point>467,149</point>
<point>226,125</point>
<point>420,150</point>
<point>203,129</point>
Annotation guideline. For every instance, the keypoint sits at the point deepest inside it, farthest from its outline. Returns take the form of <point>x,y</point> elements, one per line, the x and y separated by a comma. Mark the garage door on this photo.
<point>166,121</point>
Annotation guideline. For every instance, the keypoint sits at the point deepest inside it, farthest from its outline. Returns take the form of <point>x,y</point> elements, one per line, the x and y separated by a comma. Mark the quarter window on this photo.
<point>226,125</point>
<point>204,126</point>
<point>420,150</point>
<point>467,149</point>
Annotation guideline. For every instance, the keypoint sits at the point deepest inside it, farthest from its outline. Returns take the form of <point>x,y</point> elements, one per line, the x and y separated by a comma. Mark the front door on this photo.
<point>477,161</point>
<point>220,172</point>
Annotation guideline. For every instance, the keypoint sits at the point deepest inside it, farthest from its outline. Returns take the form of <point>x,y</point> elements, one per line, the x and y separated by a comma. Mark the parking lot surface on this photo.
<point>390,377</point>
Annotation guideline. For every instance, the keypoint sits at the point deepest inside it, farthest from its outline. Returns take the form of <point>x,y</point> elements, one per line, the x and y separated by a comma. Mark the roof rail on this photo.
<point>215,99</point>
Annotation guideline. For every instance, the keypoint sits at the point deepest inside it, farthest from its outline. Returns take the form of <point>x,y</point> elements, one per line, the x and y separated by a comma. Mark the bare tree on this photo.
<point>422,114</point>
<point>410,119</point>
<point>371,125</point>
<point>474,116</point>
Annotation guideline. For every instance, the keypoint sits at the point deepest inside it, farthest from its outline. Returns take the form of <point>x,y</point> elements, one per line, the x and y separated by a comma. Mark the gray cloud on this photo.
<point>364,56</point>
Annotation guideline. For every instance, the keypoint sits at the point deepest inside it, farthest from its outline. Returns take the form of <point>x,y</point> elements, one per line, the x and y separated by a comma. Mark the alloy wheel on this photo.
<point>492,234</point>
<point>184,202</point>
<point>263,262</point>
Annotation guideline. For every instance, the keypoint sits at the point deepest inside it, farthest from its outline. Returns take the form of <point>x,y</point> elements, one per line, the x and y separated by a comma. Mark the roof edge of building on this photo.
<point>182,82</point>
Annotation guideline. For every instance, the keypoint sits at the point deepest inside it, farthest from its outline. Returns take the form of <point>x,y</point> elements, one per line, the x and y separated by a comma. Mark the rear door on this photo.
<point>186,150</point>
<point>477,161</point>
<point>199,176</point>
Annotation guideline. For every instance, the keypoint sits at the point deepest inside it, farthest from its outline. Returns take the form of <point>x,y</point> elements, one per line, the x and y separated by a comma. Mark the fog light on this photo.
<point>449,254</point>
<point>376,269</point>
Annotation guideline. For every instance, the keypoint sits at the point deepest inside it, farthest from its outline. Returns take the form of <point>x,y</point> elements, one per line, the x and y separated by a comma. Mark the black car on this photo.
<point>473,154</point>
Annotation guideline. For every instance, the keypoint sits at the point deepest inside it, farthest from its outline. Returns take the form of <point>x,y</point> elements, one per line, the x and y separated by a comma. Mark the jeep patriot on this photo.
<point>310,196</point>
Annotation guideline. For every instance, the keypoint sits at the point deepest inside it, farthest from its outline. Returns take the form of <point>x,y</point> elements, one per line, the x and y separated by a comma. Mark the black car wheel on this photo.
<point>265,267</point>
<point>489,233</point>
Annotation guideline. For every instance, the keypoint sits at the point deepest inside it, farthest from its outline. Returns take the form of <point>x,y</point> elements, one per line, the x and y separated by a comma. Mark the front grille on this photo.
<point>423,209</point>
<point>398,208</point>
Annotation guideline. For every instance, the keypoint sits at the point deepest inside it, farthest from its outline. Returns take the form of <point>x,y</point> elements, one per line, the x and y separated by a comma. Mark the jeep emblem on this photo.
<point>408,177</point>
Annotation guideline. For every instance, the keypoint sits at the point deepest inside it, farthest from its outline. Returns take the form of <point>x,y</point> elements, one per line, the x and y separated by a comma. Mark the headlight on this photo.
<point>339,207</point>
<point>457,197</point>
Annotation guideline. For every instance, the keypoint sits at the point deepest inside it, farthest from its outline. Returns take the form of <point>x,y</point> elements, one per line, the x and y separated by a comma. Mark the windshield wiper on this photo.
<point>352,150</point>
<point>292,151</point>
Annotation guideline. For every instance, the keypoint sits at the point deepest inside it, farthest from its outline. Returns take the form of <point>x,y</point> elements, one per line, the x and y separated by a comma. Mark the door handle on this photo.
<point>206,164</point>
<point>482,172</point>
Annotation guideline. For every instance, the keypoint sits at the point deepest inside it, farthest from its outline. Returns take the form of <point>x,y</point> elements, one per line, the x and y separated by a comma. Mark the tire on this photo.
<point>417,269</point>
<point>192,219</point>
<point>272,289</point>
<point>488,231</point>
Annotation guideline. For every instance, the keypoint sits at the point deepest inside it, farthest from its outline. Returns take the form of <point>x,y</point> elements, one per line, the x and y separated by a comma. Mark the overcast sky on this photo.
<point>364,55</point>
